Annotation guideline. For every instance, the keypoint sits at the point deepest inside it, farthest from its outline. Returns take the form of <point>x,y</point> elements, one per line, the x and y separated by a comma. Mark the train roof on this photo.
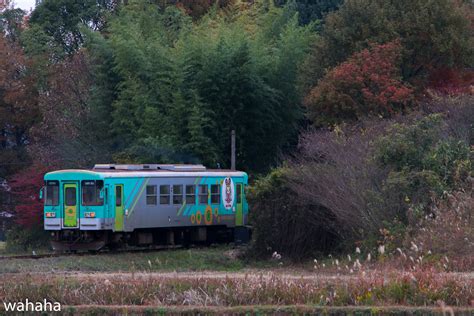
<point>148,170</point>
<point>154,167</point>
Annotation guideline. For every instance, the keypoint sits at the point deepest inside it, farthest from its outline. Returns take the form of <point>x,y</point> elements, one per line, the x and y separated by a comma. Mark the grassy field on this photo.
<point>220,258</point>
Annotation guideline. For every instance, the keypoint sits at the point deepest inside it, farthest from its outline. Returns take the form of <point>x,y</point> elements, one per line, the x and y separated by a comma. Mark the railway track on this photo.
<point>86,253</point>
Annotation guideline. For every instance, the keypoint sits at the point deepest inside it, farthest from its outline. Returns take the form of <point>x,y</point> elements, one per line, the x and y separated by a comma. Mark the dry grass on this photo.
<point>258,310</point>
<point>408,289</point>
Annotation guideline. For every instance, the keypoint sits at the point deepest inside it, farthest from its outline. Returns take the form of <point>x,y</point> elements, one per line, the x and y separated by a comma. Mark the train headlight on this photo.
<point>89,214</point>
<point>50,214</point>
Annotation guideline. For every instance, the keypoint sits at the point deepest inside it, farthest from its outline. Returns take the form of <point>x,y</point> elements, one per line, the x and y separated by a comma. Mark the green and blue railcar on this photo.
<point>111,205</point>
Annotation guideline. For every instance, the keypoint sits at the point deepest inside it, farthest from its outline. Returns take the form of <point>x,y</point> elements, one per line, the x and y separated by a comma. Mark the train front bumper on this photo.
<point>52,224</point>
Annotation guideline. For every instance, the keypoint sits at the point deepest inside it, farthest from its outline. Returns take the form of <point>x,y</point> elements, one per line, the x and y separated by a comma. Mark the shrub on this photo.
<point>368,83</point>
<point>450,160</point>
<point>328,195</point>
<point>413,188</point>
<point>25,186</point>
<point>27,233</point>
<point>333,169</point>
<point>351,182</point>
<point>405,145</point>
<point>459,115</point>
<point>283,223</point>
<point>423,157</point>
<point>24,239</point>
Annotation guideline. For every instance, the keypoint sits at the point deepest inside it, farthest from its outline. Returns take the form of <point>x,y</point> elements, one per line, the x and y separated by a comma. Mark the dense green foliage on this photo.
<point>182,89</point>
<point>312,10</point>
<point>61,20</point>
<point>159,81</point>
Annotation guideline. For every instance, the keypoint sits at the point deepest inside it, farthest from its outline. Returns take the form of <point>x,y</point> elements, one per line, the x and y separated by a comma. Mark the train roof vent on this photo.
<point>169,167</point>
<point>104,166</point>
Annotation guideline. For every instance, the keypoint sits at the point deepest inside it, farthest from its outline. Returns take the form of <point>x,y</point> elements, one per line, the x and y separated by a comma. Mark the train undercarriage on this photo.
<point>90,240</point>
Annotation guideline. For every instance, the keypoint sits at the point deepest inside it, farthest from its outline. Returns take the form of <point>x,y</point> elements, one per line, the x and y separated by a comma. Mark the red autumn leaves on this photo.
<point>25,186</point>
<point>368,83</point>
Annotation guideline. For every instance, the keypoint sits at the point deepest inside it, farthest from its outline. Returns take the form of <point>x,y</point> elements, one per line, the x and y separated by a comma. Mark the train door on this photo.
<point>239,216</point>
<point>119,207</point>
<point>70,206</point>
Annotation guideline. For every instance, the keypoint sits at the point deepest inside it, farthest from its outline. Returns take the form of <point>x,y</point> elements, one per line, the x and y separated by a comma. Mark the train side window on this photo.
<point>239,193</point>
<point>70,196</point>
<point>164,194</point>
<point>215,194</point>
<point>190,194</point>
<point>91,193</point>
<point>203,194</point>
<point>151,194</point>
<point>52,193</point>
<point>177,194</point>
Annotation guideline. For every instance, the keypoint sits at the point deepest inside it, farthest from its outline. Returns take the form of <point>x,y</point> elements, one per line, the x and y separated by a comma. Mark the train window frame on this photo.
<point>118,200</point>
<point>151,196</point>
<point>239,188</point>
<point>203,196</point>
<point>179,196</point>
<point>190,195</point>
<point>54,185</point>
<point>67,201</point>
<point>165,197</point>
<point>97,200</point>
<point>215,196</point>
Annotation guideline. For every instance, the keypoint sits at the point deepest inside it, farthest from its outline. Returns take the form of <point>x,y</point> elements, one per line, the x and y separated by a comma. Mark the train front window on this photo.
<point>52,193</point>
<point>91,193</point>
<point>70,196</point>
